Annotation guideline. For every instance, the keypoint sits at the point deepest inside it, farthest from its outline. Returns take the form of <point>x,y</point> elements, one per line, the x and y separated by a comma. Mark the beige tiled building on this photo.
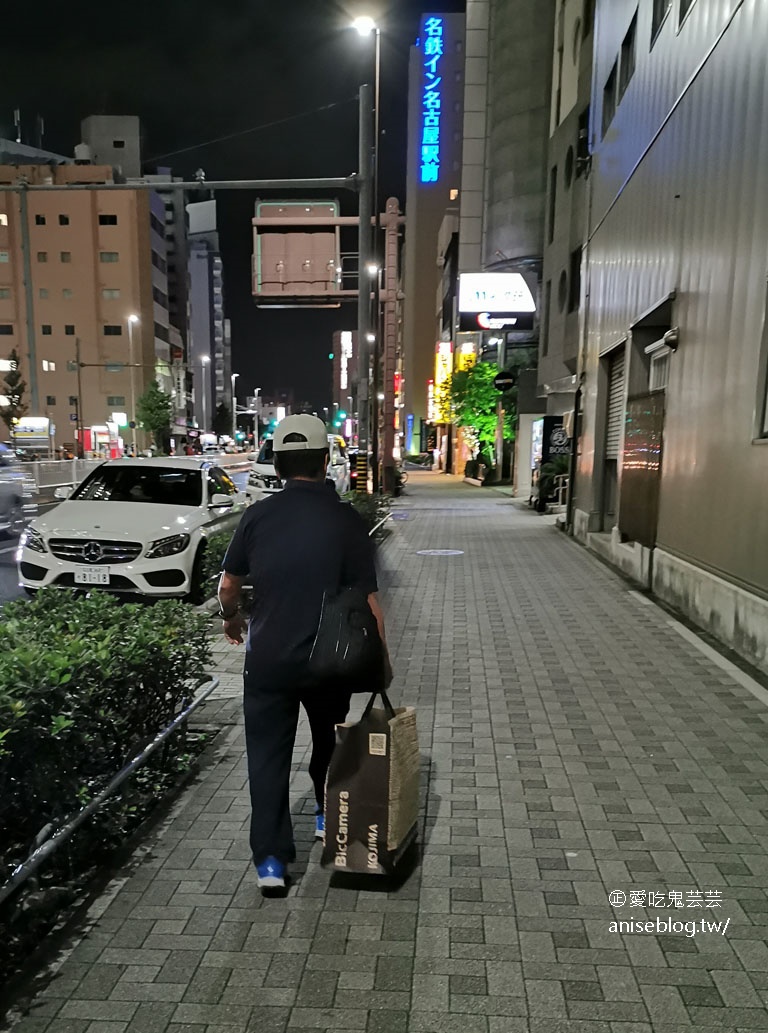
<point>75,264</point>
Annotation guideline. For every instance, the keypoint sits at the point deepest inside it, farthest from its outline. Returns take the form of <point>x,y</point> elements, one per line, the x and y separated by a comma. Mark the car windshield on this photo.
<point>267,453</point>
<point>156,484</point>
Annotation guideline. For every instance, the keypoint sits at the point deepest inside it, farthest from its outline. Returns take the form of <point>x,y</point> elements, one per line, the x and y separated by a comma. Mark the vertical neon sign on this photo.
<point>432,99</point>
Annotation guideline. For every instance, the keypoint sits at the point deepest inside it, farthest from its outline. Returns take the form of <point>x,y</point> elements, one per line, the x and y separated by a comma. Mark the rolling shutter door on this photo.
<point>615,405</point>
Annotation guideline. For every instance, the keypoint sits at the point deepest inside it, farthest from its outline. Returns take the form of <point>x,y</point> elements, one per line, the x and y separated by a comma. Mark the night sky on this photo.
<point>193,72</point>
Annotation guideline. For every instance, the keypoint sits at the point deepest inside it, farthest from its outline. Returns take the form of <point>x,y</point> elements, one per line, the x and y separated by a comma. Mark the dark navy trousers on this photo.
<point>271,719</point>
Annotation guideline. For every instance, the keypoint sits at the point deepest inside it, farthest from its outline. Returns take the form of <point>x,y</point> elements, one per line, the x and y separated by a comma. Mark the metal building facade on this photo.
<point>675,270</point>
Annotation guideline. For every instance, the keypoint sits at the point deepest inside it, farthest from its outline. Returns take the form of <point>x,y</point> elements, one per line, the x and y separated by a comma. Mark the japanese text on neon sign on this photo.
<point>432,100</point>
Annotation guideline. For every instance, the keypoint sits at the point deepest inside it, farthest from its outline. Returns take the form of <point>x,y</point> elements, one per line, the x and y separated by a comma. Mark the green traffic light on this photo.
<point>342,415</point>
<point>330,355</point>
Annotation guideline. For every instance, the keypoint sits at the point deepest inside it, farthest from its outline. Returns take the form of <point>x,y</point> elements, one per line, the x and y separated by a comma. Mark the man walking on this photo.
<point>293,547</point>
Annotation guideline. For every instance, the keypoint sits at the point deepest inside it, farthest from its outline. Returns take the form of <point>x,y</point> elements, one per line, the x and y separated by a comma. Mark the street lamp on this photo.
<point>234,408</point>
<point>366,26</point>
<point>204,360</point>
<point>132,321</point>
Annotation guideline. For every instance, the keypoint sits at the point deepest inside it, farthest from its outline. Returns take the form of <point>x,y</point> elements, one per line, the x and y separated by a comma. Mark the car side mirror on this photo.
<point>221,501</point>
<point>62,493</point>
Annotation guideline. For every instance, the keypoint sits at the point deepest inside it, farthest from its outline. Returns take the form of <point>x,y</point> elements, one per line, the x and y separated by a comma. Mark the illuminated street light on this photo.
<point>370,338</point>
<point>364,25</point>
<point>373,270</point>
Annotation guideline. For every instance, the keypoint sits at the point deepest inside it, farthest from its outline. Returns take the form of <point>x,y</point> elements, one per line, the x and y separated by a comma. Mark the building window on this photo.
<point>48,366</point>
<point>66,256</point>
<point>109,256</point>
<point>67,292</point>
<point>69,330</point>
<point>5,292</point>
<point>63,220</point>
<point>6,329</point>
<point>115,400</point>
<point>118,144</point>
<point>627,61</point>
<point>685,6</point>
<point>660,11</point>
<point>4,256</point>
<point>609,98</point>
<point>156,224</point>
<point>159,262</point>
<point>547,314</point>
<point>552,201</point>
<point>107,220</point>
<point>46,330</point>
<point>43,292</point>
<point>113,330</point>
<point>39,220</point>
<point>3,219</point>
<point>50,399</point>
<point>42,256</point>
<point>110,293</point>
<point>574,281</point>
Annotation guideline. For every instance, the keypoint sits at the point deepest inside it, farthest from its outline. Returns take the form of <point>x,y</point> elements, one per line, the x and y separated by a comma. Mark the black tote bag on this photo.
<point>347,652</point>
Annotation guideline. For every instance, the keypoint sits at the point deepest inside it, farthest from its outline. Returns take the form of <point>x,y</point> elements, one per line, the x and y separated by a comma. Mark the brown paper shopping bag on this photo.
<point>372,790</point>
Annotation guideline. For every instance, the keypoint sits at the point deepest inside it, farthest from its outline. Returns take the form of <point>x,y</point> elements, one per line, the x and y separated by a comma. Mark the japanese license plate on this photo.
<point>91,575</point>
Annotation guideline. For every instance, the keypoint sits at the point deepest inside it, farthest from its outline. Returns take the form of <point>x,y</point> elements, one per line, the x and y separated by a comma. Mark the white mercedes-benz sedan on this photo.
<point>135,526</point>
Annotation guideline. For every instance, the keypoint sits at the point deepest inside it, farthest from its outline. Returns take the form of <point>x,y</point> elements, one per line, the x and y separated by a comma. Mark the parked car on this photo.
<point>263,481</point>
<point>17,494</point>
<point>136,526</point>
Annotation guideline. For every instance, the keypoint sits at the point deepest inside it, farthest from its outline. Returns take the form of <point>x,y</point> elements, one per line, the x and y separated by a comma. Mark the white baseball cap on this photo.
<point>308,431</point>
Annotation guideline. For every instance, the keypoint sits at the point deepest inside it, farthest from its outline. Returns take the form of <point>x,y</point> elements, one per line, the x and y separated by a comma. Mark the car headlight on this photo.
<point>32,539</point>
<point>167,546</point>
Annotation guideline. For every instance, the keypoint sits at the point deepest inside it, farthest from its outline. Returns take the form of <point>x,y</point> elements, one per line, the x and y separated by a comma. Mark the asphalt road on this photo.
<point>9,588</point>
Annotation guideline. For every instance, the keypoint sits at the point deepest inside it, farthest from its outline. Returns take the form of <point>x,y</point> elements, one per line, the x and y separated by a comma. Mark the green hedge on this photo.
<point>372,508</point>
<point>84,683</point>
<point>216,546</point>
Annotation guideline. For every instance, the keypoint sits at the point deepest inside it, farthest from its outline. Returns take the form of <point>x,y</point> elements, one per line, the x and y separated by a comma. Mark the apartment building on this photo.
<point>74,266</point>
<point>104,306</point>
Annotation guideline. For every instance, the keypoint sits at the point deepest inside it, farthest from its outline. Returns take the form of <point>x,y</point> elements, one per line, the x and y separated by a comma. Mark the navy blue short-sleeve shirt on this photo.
<point>293,547</point>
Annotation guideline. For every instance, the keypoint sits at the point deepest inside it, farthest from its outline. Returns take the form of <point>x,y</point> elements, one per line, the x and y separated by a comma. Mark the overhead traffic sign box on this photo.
<point>297,254</point>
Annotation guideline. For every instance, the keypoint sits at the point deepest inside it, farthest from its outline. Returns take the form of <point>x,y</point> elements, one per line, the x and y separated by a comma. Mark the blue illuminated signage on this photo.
<point>432,98</point>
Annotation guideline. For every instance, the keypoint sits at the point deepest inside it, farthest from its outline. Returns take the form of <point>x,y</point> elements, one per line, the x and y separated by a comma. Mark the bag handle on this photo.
<point>385,699</point>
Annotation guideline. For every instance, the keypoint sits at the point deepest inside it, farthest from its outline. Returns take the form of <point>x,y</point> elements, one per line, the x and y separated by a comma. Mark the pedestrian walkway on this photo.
<point>575,745</point>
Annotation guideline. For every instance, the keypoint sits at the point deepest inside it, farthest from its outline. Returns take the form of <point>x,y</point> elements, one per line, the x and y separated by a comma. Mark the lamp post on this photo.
<point>204,360</point>
<point>366,26</point>
<point>234,408</point>
<point>132,321</point>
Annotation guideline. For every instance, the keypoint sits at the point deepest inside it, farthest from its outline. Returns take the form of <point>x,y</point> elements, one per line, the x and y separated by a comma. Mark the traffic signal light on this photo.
<point>342,414</point>
<point>330,355</point>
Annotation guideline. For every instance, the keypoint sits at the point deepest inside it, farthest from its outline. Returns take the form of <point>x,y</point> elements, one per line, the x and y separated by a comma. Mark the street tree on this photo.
<point>13,389</point>
<point>475,400</point>
<point>153,412</point>
<point>222,420</point>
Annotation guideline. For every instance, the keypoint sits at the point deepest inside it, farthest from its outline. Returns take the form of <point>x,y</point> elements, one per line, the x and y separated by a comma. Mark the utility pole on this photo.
<point>364,258</point>
<point>79,410</point>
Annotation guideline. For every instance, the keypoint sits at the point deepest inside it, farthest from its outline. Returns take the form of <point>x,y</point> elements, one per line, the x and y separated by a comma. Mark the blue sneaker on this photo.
<point>320,826</point>
<point>271,874</point>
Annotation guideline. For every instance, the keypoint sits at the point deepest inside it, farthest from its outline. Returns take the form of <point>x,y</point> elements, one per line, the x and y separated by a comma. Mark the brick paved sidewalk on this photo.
<point>574,742</point>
